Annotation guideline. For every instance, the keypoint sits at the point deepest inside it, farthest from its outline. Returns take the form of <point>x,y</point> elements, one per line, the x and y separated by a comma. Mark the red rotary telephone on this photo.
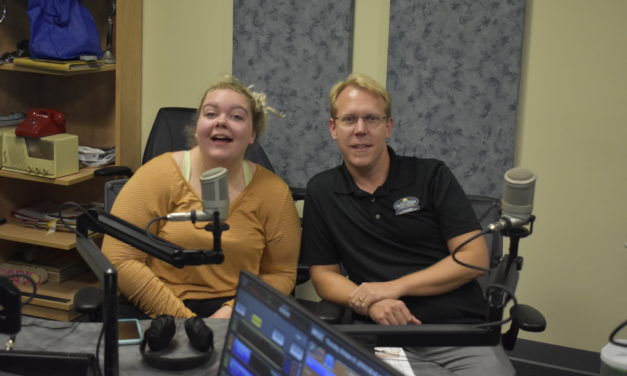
<point>41,122</point>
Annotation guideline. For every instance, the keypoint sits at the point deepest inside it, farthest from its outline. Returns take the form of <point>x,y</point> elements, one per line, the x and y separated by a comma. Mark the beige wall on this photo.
<point>572,134</point>
<point>187,45</point>
<point>370,42</point>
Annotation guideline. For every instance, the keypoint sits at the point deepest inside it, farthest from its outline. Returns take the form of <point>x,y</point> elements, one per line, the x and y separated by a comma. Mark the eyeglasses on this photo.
<point>371,121</point>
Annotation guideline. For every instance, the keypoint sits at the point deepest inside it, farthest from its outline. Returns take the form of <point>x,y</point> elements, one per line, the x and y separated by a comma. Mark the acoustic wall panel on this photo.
<point>294,51</point>
<point>453,73</point>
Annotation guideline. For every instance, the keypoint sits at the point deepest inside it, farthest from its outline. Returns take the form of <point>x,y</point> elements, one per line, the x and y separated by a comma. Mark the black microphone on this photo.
<point>214,190</point>
<point>517,202</point>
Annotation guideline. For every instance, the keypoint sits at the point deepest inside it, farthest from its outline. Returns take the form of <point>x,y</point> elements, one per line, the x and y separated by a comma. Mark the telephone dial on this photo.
<point>41,122</point>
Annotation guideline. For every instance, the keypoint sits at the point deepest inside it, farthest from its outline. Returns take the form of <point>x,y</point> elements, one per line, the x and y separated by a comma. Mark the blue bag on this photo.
<point>62,30</point>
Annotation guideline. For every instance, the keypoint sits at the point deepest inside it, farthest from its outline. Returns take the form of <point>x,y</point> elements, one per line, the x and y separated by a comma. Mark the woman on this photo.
<point>264,234</point>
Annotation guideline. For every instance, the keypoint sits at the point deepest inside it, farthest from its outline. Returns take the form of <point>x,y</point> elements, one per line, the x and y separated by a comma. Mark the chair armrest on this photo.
<point>523,317</point>
<point>88,300</point>
<point>324,310</point>
<point>528,318</point>
<point>114,171</point>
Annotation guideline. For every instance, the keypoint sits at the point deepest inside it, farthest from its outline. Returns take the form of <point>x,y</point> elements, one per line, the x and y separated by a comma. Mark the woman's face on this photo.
<point>225,126</point>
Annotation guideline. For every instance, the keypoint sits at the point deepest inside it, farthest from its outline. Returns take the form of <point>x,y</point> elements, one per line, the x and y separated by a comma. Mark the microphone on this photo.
<point>214,190</point>
<point>517,202</point>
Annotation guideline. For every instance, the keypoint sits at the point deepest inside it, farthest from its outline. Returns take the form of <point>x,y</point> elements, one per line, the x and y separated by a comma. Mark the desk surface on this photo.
<point>56,336</point>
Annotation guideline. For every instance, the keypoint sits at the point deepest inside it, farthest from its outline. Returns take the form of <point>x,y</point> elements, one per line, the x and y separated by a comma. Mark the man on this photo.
<point>392,222</point>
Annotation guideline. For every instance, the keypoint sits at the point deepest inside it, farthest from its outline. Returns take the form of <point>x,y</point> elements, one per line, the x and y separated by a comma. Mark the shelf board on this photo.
<point>22,234</point>
<point>58,295</point>
<point>11,67</point>
<point>82,175</point>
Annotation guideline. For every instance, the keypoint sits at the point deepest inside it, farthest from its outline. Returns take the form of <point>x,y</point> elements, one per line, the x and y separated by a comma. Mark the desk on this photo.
<point>46,335</point>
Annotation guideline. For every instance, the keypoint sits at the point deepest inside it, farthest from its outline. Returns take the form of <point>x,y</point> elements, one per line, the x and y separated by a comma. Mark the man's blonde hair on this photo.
<point>361,81</point>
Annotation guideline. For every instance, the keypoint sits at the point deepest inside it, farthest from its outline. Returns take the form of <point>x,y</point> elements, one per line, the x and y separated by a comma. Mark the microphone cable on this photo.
<point>615,332</point>
<point>490,287</point>
<point>457,249</point>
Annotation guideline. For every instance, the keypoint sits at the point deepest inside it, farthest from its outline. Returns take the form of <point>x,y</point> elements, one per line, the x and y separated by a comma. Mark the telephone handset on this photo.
<point>41,122</point>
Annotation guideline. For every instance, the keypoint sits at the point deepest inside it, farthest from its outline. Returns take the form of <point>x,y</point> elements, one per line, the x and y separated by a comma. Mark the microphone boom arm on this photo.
<point>106,223</point>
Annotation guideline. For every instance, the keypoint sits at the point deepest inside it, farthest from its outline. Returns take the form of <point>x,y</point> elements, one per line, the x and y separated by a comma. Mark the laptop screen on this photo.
<point>270,334</point>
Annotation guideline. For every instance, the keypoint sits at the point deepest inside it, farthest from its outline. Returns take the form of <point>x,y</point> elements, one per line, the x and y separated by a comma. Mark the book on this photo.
<point>49,313</point>
<point>59,266</point>
<point>56,65</point>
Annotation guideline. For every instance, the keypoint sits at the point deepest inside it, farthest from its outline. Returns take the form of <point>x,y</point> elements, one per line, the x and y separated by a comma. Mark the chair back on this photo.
<point>168,131</point>
<point>488,210</point>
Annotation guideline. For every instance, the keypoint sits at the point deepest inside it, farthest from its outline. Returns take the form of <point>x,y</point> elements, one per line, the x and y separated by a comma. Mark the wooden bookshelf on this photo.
<point>102,107</point>
<point>58,240</point>
<point>82,175</point>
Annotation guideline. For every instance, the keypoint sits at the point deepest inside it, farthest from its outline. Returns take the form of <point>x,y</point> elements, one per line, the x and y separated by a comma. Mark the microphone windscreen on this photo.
<point>518,193</point>
<point>215,192</point>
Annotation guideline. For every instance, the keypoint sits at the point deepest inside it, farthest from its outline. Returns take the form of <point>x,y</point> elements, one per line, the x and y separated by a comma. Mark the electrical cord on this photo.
<point>81,208</point>
<point>31,281</point>
<point>8,346</point>
<point>4,11</point>
<point>511,295</point>
<point>454,253</point>
<point>615,332</point>
<point>489,287</point>
<point>153,236</point>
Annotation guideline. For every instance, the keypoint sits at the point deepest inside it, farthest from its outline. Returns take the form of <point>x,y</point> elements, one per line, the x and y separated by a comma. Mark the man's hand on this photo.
<point>391,312</point>
<point>369,293</point>
<point>223,313</point>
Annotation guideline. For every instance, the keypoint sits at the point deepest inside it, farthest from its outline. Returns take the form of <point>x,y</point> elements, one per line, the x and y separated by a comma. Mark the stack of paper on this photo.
<point>95,157</point>
<point>45,215</point>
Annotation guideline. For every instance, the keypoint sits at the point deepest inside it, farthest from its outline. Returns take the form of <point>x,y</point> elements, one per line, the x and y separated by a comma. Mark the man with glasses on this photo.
<point>392,222</point>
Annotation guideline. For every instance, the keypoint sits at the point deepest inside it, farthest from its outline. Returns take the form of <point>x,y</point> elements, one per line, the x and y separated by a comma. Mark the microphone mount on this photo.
<point>106,223</point>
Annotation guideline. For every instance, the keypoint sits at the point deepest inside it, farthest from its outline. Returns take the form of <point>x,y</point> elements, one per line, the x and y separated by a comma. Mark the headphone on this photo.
<point>159,336</point>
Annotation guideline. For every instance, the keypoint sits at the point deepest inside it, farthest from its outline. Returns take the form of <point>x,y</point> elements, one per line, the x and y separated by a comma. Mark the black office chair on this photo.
<point>167,134</point>
<point>487,210</point>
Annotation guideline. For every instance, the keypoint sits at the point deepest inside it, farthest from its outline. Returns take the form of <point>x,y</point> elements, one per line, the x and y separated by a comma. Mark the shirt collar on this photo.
<point>400,175</point>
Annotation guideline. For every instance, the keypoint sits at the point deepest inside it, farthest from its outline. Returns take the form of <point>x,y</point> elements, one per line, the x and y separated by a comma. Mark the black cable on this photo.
<point>514,304</point>
<point>32,282</point>
<point>615,332</point>
<point>38,325</point>
<point>98,346</point>
<point>454,253</point>
<point>153,236</point>
<point>81,208</point>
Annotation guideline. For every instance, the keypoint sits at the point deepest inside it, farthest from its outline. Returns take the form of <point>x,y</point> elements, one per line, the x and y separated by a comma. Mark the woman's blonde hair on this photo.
<point>256,101</point>
<point>364,82</point>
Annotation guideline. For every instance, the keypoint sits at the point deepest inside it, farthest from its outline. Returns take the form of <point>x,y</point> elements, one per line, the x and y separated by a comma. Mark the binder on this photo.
<point>54,65</point>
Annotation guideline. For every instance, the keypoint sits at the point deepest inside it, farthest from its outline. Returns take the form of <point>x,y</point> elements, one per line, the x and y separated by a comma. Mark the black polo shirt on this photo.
<point>399,229</point>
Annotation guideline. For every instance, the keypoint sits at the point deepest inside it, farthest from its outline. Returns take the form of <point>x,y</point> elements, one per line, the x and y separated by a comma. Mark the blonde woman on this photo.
<point>264,234</point>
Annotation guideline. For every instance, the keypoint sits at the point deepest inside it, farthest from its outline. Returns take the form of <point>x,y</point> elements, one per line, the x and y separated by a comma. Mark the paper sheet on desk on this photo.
<point>395,357</point>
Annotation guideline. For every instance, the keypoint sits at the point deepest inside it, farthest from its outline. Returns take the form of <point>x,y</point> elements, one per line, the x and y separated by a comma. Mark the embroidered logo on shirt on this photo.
<point>406,205</point>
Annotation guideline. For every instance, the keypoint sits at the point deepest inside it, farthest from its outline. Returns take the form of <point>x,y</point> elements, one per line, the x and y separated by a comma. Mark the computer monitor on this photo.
<point>270,334</point>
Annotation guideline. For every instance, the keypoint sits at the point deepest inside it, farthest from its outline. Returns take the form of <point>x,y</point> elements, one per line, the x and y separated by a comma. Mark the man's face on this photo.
<point>361,128</point>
